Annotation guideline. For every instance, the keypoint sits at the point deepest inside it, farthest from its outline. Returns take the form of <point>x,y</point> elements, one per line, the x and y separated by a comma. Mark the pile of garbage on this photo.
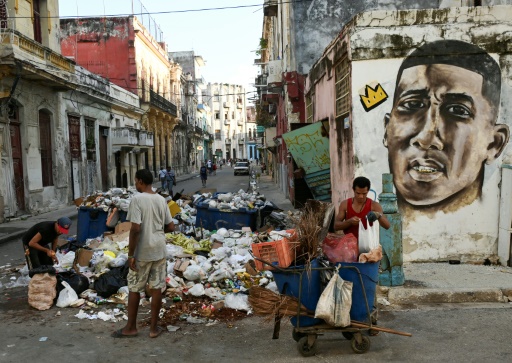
<point>114,197</point>
<point>208,276</point>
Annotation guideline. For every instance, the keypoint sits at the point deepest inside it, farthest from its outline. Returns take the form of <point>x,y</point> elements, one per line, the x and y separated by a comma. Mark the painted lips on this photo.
<point>426,170</point>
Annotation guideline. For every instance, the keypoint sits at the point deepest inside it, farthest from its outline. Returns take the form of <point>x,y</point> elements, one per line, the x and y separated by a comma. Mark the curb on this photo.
<point>401,296</point>
<point>19,234</point>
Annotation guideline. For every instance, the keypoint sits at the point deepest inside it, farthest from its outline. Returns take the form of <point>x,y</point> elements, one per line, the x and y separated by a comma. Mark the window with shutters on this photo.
<point>309,106</point>
<point>45,144</point>
<point>342,87</point>
<point>74,137</point>
<point>90,139</point>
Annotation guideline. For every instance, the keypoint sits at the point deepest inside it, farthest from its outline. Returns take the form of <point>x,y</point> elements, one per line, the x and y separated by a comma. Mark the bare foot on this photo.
<point>156,333</point>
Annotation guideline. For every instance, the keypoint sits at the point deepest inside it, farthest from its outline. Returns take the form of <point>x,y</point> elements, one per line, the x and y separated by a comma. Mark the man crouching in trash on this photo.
<point>151,219</point>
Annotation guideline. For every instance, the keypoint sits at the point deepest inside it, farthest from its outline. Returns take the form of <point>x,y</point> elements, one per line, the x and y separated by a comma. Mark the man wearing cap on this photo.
<point>37,240</point>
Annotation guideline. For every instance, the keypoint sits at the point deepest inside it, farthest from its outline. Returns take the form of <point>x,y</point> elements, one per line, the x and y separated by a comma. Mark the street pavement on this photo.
<point>426,283</point>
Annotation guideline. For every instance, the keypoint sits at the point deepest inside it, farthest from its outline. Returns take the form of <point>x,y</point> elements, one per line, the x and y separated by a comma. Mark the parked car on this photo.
<point>241,167</point>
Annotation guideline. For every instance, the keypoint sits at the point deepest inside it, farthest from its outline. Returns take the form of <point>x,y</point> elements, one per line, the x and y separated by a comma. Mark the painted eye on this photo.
<point>411,105</point>
<point>458,111</point>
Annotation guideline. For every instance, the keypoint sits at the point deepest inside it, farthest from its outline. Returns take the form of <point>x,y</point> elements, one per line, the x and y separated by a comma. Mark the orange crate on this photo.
<point>280,253</point>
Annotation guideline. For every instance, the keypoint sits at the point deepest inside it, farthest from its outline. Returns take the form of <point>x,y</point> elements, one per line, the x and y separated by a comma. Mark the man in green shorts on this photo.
<point>151,219</point>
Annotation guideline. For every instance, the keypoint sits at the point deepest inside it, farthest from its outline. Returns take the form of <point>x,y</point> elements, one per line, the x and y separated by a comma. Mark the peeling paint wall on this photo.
<point>463,224</point>
<point>317,22</point>
<point>103,46</point>
<point>31,98</point>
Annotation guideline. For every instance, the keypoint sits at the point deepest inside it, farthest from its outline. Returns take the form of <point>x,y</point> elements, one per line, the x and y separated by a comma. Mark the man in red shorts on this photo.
<point>356,209</point>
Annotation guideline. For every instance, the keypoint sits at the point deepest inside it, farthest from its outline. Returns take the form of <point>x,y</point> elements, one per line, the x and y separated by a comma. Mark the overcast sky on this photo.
<point>226,39</point>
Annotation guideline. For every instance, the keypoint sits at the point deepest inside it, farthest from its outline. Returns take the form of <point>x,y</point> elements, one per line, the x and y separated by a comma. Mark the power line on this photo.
<point>166,12</point>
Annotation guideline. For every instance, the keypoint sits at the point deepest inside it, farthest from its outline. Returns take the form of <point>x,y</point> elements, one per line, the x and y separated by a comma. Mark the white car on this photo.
<point>241,167</point>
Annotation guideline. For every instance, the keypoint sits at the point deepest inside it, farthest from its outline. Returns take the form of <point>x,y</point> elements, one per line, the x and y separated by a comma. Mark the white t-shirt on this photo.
<point>152,213</point>
<point>162,173</point>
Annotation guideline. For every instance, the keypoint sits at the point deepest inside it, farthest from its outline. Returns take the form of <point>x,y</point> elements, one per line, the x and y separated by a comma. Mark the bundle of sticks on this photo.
<point>266,302</point>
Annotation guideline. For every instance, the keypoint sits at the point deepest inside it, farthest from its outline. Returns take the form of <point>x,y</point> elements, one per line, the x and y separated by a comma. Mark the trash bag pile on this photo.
<point>207,272</point>
<point>114,197</point>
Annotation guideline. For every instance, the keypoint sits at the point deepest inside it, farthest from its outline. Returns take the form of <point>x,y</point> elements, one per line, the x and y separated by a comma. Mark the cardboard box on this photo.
<point>180,266</point>
<point>123,227</point>
<point>118,237</point>
<point>82,258</point>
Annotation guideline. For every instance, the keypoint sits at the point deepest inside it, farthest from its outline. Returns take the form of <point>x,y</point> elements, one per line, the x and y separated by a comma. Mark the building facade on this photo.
<point>102,45</point>
<point>423,95</point>
<point>34,175</point>
<point>228,107</point>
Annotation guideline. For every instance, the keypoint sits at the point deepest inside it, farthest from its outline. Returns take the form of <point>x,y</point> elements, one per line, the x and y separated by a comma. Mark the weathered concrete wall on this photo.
<point>440,130</point>
<point>317,22</point>
<point>31,98</point>
<point>20,19</point>
<point>104,46</point>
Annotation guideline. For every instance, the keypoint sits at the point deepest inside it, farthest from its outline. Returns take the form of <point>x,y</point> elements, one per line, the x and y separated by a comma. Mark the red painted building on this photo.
<point>123,51</point>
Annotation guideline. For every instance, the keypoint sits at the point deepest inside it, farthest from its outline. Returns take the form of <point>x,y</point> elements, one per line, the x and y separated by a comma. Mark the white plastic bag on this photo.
<point>368,238</point>
<point>237,302</point>
<point>197,290</point>
<point>194,273</point>
<point>335,302</point>
<point>67,296</point>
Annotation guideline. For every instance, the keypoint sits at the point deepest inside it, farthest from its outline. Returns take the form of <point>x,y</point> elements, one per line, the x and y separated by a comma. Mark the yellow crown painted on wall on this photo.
<point>373,96</point>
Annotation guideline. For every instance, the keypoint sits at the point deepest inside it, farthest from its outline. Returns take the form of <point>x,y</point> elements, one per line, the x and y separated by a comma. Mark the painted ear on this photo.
<point>386,123</point>
<point>495,148</point>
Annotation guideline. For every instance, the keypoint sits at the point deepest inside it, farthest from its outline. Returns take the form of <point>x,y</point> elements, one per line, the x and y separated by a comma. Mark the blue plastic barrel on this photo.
<point>288,284</point>
<point>370,275</point>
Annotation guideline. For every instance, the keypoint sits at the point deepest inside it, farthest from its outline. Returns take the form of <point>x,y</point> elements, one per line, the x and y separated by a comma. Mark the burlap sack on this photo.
<point>42,291</point>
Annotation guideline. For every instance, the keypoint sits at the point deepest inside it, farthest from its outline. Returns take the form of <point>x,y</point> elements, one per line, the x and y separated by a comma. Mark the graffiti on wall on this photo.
<point>442,129</point>
<point>372,96</point>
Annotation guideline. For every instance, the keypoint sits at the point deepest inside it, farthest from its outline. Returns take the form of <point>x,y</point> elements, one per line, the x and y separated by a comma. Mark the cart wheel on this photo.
<point>363,347</point>
<point>296,335</point>
<point>348,335</point>
<point>304,348</point>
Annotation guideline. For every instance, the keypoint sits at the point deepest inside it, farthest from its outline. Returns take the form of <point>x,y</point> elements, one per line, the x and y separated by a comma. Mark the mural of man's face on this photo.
<point>440,133</point>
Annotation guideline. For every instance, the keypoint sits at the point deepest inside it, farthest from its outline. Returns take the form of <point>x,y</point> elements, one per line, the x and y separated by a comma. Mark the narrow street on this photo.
<point>449,332</point>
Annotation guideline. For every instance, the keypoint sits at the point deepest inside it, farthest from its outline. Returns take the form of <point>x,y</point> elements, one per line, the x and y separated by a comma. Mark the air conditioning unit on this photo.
<point>105,132</point>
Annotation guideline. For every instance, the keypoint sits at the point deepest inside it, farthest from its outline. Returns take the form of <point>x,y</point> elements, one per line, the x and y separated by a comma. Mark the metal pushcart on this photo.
<point>306,329</point>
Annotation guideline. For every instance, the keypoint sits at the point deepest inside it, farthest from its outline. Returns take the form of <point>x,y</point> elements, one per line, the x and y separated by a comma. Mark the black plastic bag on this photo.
<point>78,282</point>
<point>42,270</point>
<point>107,284</point>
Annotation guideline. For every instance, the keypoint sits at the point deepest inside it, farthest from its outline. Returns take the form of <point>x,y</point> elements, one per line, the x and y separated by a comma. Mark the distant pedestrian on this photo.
<point>170,180</point>
<point>151,219</point>
<point>161,176</point>
<point>209,166</point>
<point>214,168</point>
<point>203,172</point>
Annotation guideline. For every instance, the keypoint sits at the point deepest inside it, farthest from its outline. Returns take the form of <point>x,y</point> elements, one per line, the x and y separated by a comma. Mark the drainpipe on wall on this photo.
<point>392,273</point>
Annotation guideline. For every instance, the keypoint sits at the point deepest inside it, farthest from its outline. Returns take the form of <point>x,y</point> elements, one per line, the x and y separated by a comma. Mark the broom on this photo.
<point>266,302</point>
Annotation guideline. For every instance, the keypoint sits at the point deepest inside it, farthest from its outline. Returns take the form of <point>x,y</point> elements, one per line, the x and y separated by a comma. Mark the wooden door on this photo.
<point>45,145</point>
<point>104,157</point>
<point>17,163</point>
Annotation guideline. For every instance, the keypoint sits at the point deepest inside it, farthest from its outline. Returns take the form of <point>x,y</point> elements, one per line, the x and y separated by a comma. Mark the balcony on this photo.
<point>239,106</point>
<point>163,104</point>
<point>37,62</point>
<point>202,106</point>
<point>225,104</point>
<point>198,130</point>
<point>226,122</point>
<point>124,136</point>
<point>146,139</point>
<point>241,141</point>
<point>240,123</point>
<point>228,141</point>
